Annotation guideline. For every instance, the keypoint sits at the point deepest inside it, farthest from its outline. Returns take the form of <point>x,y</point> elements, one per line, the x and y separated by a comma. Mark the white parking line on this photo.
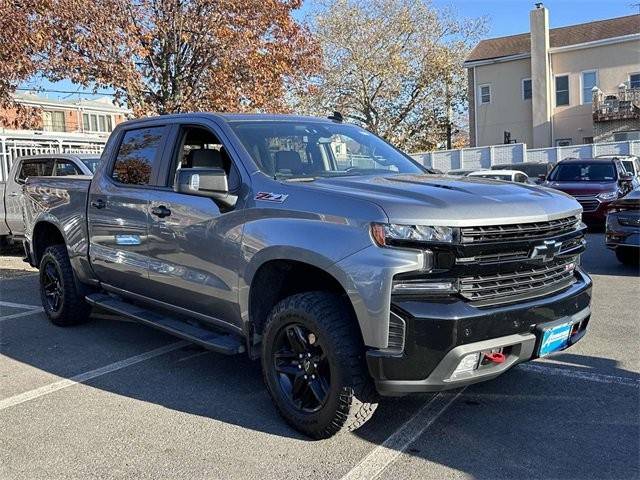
<point>21,314</point>
<point>18,305</point>
<point>588,376</point>
<point>383,455</point>
<point>84,377</point>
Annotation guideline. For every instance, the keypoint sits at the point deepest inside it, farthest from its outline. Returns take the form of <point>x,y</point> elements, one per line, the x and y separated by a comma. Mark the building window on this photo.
<point>562,90</point>
<point>626,136</point>
<point>53,121</point>
<point>586,140</point>
<point>484,94</point>
<point>563,142</point>
<point>97,123</point>
<point>526,89</point>
<point>634,80</point>
<point>589,80</point>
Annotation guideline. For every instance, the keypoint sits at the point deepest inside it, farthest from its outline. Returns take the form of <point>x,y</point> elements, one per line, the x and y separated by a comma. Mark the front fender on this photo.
<point>312,239</point>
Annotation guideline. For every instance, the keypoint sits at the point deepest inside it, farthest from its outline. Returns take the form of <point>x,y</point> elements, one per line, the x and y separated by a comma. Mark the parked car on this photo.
<point>506,175</point>
<point>460,172</point>
<point>623,228</point>
<point>631,163</point>
<point>537,172</point>
<point>349,275</point>
<point>58,165</point>
<point>594,182</point>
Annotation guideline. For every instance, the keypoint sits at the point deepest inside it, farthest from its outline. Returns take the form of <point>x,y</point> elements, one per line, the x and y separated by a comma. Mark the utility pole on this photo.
<point>449,115</point>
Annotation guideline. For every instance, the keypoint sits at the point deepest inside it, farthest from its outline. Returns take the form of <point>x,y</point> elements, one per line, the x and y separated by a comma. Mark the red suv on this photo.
<point>594,183</point>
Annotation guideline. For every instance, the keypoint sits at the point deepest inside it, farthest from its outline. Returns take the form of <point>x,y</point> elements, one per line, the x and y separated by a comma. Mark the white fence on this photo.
<point>29,143</point>
<point>485,157</point>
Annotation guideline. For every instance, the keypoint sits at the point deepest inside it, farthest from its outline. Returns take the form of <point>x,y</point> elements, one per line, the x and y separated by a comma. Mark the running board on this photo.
<point>218,342</point>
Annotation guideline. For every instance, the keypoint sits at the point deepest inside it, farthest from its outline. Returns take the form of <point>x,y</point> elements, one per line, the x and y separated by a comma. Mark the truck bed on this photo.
<point>63,199</point>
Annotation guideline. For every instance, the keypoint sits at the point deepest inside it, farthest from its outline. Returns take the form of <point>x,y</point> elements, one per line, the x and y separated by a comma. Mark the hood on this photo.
<point>454,201</point>
<point>583,188</point>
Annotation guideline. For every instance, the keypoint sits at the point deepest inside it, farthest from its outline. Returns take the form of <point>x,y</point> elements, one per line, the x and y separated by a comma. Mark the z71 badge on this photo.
<point>271,197</point>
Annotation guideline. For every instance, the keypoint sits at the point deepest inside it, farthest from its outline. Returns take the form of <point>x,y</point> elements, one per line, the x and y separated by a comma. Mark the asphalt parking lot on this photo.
<point>114,399</point>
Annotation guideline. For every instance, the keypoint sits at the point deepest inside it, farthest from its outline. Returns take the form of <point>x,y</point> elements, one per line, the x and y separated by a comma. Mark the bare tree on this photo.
<point>395,66</point>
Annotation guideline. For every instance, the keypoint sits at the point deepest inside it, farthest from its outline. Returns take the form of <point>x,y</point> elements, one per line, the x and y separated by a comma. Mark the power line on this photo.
<point>72,92</point>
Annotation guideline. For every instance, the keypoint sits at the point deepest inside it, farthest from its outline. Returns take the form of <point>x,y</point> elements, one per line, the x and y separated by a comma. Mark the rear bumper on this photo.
<point>439,333</point>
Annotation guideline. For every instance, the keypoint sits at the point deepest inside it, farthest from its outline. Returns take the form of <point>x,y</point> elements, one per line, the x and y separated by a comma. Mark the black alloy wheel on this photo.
<point>52,286</point>
<point>302,367</point>
<point>62,297</point>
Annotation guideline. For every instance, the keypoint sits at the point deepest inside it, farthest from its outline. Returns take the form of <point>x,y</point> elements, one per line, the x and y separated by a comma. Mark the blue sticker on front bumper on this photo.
<point>554,339</point>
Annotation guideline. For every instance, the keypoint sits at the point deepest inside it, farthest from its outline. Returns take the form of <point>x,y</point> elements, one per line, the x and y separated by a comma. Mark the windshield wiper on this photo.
<point>297,179</point>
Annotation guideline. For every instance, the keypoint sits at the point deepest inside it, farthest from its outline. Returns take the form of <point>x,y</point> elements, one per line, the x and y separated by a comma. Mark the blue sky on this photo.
<point>504,17</point>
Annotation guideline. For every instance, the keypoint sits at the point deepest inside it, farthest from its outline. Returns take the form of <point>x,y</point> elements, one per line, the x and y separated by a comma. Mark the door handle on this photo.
<point>14,194</point>
<point>99,203</point>
<point>161,211</point>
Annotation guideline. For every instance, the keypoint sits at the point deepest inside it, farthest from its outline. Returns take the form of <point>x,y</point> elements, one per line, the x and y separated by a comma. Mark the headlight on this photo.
<point>402,235</point>
<point>607,196</point>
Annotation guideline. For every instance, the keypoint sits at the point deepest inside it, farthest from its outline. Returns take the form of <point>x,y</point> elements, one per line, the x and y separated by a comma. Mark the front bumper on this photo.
<point>625,234</point>
<point>440,332</point>
<point>598,216</point>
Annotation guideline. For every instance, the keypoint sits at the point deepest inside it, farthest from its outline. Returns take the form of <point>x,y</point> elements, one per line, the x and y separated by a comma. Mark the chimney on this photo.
<point>540,76</point>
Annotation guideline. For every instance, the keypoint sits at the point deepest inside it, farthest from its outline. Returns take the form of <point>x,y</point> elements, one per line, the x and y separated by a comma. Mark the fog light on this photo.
<point>467,365</point>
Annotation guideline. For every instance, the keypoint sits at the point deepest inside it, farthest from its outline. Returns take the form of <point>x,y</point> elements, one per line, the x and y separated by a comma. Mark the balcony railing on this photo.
<point>623,105</point>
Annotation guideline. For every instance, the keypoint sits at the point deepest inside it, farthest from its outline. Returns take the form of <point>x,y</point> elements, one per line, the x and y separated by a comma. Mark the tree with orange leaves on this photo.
<point>161,56</point>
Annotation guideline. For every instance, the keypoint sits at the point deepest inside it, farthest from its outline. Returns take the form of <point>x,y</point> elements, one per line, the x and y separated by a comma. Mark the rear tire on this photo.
<point>342,395</point>
<point>62,302</point>
<point>628,256</point>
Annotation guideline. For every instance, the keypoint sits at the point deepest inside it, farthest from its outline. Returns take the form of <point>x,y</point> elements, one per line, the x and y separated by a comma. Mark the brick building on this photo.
<point>96,117</point>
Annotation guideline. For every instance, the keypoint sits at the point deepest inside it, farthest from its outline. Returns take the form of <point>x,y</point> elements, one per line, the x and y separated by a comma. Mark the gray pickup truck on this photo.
<point>54,164</point>
<point>317,247</point>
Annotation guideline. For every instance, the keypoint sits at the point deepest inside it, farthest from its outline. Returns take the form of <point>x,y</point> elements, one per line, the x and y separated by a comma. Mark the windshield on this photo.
<point>305,150</point>
<point>583,172</point>
<point>91,163</point>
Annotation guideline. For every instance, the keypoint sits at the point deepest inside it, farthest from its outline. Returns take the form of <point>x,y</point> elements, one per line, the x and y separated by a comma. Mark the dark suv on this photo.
<point>595,183</point>
<point>623,228</point>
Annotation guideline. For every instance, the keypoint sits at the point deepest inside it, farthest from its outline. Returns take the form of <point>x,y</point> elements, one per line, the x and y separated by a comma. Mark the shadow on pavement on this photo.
<point>522,425</point>
<point>532,425</point>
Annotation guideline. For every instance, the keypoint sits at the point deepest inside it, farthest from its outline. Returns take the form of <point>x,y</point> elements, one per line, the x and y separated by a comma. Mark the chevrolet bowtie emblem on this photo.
<point>547,251</point>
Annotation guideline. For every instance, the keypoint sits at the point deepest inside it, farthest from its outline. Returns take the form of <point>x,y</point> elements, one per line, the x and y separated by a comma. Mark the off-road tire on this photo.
<point>352,398</point>
<point>628,256</point>
<point>73,309</point>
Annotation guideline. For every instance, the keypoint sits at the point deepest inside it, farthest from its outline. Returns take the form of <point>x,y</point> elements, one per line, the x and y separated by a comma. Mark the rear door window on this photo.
<point>35,168</point>
<point>139,156</point>
<point>65,168</point>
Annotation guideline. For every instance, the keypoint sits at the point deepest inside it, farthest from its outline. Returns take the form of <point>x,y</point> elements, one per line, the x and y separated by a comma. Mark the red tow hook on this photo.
<point>495,357</point>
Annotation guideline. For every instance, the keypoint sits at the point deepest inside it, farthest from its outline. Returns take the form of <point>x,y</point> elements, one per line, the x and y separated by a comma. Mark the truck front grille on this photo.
<point>589,204</point>
<point>506,287</point>
<point>519,231</point>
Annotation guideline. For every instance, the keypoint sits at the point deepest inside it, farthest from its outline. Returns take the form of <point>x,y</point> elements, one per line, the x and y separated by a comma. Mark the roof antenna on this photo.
<point>336,117</point>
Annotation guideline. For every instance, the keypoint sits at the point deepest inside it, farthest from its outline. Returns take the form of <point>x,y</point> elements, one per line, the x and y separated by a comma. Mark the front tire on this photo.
<point>313,365</point>
<point>62,303</point>
<point>628,256</point>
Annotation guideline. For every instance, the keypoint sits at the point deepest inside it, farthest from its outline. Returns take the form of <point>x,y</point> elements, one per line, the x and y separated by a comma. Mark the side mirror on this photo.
<point>204,182</point>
